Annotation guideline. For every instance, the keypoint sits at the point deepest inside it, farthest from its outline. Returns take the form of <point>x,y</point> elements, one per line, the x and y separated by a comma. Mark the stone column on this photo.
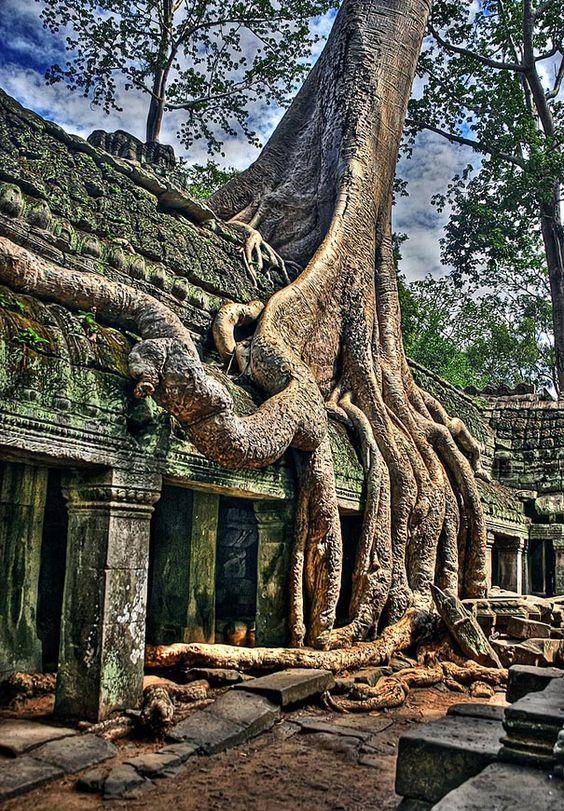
<point>511,563</point>
<point>490,540</point>
<point>557,533</point>
<point>182,606</point>
<point>101,655</point>
<point>275,528</point>
<point>525,588</point>
<point>22,504</point>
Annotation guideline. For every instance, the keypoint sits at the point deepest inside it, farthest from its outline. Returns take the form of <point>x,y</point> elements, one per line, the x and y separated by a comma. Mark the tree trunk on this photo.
<point>553,238</point>
<point>160,76</point>
<point>330,342</point>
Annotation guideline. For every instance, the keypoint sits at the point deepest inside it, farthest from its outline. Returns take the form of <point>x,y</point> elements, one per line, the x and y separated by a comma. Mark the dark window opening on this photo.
<point>496,568</point>
<point>351,529</point>
<point>52,571</point>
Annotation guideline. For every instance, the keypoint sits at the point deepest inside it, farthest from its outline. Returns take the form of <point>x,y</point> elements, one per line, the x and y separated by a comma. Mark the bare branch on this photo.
<point>484,60</point>
<point>479,146</point>
<point>557,82</point>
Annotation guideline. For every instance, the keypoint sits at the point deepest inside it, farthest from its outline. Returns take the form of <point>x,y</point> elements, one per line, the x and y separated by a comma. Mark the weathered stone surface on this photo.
<point>154,764</point>
<point>208,733</point>
<point>435,758</point>
<point>289,687</point>
<point>24,774</point>
<point>532,725</point>
<point>93,780</point>
<point>120,780</point>
<point>524,679</point>
<point>103,627</point>
<point>536,652</point>
<point>491,712</point>
<point>74,754</point>
<point>526,629</point>
<point>21,735</point>
<point>182,751</point>
<point>254,713</point>
<point>313,724</point>
<point>504,786</point>
<point>275,534</point>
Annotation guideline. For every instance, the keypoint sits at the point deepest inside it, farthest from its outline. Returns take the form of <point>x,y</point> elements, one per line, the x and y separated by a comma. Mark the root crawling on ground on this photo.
<point>392,691</point>
<point>329,343</point>
<point>21,686</point>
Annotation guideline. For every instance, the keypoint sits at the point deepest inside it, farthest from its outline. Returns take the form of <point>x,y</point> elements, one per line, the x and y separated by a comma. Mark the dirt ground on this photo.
<point>276,772</point>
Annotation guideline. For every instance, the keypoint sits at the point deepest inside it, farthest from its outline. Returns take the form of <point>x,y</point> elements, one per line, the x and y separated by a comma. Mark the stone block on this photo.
<point>23,774</point>
<point>536,652</point>
<point>254,713</point>
<point>20,735</point>
<point>208,733</point>
<point>526,629</point>
<point>74,754</point>
<point>289,687</point>
<point>182,751</point>
<point>490,712</point>
<point>312,724</point>
<point>120,780</point>
<point>524,679</point>
<point>154,764</point>
<point>438,757</point>
<point>505,786</point>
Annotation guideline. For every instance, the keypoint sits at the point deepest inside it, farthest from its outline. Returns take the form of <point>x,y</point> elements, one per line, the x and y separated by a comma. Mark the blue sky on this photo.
<point>27,49</point>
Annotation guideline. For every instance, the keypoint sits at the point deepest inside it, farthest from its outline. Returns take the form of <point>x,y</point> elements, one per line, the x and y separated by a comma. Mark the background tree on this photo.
<point>474,340</point>
<point>493,72</point>
<point>211,59</point>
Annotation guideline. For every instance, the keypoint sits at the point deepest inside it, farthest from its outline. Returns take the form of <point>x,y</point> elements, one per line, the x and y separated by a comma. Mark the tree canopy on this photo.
<point>212,60</point>
<point>493,73</point>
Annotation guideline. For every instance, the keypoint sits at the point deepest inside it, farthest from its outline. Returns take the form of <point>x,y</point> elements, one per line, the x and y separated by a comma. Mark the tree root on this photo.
<point>393,638</point>
<point>392,691</point>
<point>21,686</point>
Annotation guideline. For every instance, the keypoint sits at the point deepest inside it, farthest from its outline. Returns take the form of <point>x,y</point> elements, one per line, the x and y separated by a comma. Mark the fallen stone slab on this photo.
<point>524,679</point>
<point>207,732</point>
<point>532,725</point>
<point>154,764</point>
<point>505,786</point>
<point>93,780</point>
<point>536,652</point>
<point>288,687</point>
<point>20,735</point>
<point>491,712</point>
<point>120,780</point>
<point>74,754</point>
<point>182,751</point>
<point>435,758</point>
<point>526,628</point>
<point>311,724</point>
<point>255,713</point>
<point>23,774</point>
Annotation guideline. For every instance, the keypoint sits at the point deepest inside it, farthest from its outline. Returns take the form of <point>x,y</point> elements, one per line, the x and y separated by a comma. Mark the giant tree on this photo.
<point>326,346</point>
<point>493,73</point>
<point>211,60</point>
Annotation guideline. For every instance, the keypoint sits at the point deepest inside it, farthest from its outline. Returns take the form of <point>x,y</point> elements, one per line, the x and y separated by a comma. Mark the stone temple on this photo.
<point>114,530</point>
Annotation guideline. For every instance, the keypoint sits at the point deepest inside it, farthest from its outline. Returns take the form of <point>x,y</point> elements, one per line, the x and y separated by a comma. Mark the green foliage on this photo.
<point>486,84</point>
<point>88,320</point>
<point>202,180</point>
<point>471,340</point>
<point>29,337</point>
<point>214,60</point>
